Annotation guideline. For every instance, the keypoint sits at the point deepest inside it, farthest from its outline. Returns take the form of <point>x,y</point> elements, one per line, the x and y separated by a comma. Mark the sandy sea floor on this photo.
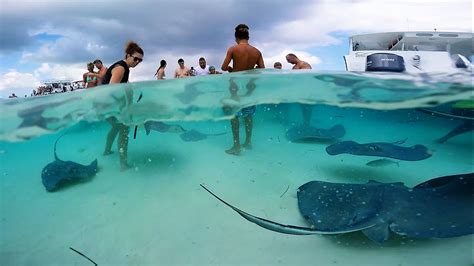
<point>157,214</point>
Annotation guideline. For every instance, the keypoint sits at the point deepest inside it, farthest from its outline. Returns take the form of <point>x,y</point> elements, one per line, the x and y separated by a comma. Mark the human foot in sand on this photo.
<point>235,150</point>
<point>247,145</point>
<point>124,167</point>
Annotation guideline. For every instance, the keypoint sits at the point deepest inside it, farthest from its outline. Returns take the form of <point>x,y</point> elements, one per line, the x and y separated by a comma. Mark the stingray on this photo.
<point>194,135</point>
<point>162,127</point>
<point>191,93</point>
<point>33,116</point>
<point>465,115</point>
<point>61,173</point>
<point>306,132</point>
<point>380,149</point>
<point>438,208</point>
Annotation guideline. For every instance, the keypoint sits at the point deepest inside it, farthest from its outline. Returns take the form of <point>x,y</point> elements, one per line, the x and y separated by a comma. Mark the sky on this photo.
<point>55,39</point>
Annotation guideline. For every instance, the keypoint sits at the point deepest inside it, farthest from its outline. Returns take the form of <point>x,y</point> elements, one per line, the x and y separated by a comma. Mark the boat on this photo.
<point>410,52</point>
<point>58,86</point>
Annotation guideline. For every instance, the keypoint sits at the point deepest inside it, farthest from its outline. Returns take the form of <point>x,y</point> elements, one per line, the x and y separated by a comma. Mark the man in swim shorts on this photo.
<point>244,57</point>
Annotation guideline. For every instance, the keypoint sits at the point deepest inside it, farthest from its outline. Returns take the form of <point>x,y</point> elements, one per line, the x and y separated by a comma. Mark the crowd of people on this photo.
<point>239,57</point>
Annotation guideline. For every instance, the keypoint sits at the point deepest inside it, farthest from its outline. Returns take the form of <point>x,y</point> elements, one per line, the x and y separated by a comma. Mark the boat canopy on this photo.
<point>452,42</point>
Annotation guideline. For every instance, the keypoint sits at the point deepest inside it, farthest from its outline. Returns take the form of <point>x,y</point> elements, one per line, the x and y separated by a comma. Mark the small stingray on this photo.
<point>306,132</point>
<point>162,127</point>
<point>60,173</point>
<point>380,149</point>
<point>194,135</point>
<point>377,209</point>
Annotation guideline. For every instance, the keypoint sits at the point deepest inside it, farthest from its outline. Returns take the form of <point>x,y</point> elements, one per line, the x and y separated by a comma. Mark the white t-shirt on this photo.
<point>202,72</point>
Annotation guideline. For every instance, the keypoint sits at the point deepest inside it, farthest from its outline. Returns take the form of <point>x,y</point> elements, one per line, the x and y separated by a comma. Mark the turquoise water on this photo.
<point>156,213</point>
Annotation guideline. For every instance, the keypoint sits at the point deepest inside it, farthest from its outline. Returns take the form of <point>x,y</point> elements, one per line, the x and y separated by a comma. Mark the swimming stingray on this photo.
<point>438,208</point>
<point>306,132</point>
<point>33,116</point>
<point>194,135</point>
<point>191,92</point>
<point>60,173</point>
<point>380,149</point>
<point>162,127</point>
<point>466,115</point>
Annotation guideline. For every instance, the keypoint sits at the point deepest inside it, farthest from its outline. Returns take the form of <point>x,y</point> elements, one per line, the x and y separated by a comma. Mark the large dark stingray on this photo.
<point>60,173</point>
<point>438,208</point>
<point>380,149</point>
<point>306,132</point>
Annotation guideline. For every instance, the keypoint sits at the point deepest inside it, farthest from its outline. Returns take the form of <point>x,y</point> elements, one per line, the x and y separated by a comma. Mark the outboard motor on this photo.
<point>385,62</point>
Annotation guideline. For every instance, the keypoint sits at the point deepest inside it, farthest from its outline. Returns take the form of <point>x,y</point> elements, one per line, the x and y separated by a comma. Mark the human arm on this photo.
<point>117,74</point>
<point>225,65</point>
<point>260,63</point>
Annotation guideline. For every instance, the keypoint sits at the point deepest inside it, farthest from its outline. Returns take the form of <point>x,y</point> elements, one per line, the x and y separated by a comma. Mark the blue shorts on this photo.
<point>247,111</point>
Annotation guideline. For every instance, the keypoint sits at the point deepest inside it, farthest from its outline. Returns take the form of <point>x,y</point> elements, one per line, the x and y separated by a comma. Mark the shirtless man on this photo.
<point>102,70</point>
<point>182,71</point>
<point>298,64</point>
<point>243,57</point>
<point>306,109</point>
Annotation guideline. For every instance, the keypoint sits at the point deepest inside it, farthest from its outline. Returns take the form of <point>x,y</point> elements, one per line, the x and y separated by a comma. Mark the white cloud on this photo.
<point>13,81</point>
<point>320,20</point>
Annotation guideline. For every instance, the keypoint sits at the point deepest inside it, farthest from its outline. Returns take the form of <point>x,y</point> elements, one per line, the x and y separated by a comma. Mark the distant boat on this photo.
<point>58,86</point>
<point>411,52</point>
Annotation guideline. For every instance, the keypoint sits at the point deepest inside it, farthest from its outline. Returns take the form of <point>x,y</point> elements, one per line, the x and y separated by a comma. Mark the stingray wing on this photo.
<point>334,207</point>
<point>438,208</point>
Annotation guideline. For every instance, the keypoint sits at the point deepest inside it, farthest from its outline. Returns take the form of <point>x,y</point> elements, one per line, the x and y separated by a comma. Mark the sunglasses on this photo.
<point>137,59</point>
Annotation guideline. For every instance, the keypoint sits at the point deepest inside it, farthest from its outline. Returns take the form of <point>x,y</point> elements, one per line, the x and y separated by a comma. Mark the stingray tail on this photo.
<point>277,227</point>
<point>56,143</point>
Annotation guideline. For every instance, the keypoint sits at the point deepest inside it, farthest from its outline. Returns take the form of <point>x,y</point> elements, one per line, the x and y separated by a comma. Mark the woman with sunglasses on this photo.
<point>118,73</point>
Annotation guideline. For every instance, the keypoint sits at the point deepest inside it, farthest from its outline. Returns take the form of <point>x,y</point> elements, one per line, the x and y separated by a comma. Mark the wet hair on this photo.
<point>202,59</point>
<point>292,55</point>
<point>162,65</point>
<point>97,61</point>
<point>132,47</point>
<point>180,60</point>
<point>242,32</point>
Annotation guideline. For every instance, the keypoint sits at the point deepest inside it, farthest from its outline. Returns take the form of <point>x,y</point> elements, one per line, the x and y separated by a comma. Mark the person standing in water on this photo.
<point>102,70</point>
<point>306,109</point>
<point>118,73</point>
<point>244,57</point>
<point>160,73</point>
<point>89,79</point>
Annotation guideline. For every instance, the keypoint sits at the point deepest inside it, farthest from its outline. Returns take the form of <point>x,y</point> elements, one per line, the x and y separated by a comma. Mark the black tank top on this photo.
<point>108,74</point>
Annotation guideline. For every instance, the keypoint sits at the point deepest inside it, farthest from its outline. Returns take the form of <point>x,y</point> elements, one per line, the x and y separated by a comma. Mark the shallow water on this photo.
<point>156,212</point>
